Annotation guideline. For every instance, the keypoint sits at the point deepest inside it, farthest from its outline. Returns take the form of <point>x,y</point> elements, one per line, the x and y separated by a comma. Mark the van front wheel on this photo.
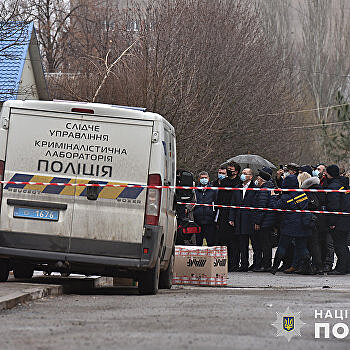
<point>4,270</point>
<point>149,280</point>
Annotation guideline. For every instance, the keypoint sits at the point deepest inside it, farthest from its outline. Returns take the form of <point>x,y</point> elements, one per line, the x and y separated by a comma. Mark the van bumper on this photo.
<point>42,248</point>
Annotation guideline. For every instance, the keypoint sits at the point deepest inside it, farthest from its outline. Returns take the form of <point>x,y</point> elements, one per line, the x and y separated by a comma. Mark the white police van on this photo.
<point>109,231</point>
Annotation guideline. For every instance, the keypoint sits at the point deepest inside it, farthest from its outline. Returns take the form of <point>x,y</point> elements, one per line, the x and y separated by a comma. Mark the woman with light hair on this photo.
<point>302,177</point>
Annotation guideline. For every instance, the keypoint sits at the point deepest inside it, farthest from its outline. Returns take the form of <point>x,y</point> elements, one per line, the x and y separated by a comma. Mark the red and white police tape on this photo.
<point>171,187</point>
<point>193,188</point>
<point>268,209</point>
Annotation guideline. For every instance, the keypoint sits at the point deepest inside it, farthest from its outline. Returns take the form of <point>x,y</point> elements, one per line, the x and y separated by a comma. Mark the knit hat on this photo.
<point>333,170</point>
<point>264,175</point>
<point>266,169</point>
<point>291,181</point>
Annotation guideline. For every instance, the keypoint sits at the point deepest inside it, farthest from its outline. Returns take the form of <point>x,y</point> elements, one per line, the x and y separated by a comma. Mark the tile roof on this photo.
<point>14,43</point>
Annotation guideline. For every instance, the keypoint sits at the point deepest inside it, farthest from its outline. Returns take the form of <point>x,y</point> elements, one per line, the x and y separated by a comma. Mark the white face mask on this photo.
<point>204,181</point>
<point>286,174</point>
<point>256,183</point>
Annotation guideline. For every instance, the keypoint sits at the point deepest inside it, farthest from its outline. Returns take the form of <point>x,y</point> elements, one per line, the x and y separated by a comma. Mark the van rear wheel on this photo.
<point>166,277</point>
<point>23,271</point>
<point>4,270</point>
<point>149,281</point>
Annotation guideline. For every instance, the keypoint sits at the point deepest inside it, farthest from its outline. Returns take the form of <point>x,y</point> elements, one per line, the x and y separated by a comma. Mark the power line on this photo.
<point>317,125</point>
<point>303,110</point>
<point>312,72</point>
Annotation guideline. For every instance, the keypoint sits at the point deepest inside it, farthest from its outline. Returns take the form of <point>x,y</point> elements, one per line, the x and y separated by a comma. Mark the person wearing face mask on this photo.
<point>320,171</point>
<point>222,174</point>
<point>205,216</point>
<point>327,246</point>
<point>225,230</point>
<point>241,220</point>
<point>292,169</point>
<point>264,222</point>
<point>338,224</point>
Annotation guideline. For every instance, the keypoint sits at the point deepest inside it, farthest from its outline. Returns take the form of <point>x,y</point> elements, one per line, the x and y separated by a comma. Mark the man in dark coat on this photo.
<point>205,216</point>
<point>339,225</point>
<point>315,240</point>
<point>264,222</point>
<point>327,248</point>
<point>294,226</point>
<point>241,220</point>
<point>222,174</point>
<point>225,230</point>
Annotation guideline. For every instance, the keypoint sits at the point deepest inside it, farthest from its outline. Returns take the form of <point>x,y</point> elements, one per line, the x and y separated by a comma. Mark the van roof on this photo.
<point>98,108</point>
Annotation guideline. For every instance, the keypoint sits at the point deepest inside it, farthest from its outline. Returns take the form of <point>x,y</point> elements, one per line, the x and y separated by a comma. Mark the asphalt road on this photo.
<point>182,318</point>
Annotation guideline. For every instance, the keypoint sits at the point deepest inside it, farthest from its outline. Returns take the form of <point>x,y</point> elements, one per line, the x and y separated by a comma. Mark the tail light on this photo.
<point>153,200</point>
<point>2,170</point>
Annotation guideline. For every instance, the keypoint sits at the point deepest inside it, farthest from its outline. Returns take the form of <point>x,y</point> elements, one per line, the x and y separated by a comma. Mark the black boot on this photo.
<point>276,263</point>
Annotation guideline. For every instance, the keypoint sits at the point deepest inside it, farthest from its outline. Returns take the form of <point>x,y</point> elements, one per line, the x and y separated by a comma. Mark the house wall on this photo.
<point>27,87</point>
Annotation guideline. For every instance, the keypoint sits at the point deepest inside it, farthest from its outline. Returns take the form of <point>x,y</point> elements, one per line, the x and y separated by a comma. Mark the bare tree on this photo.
<point>324,51</point>
<point>316,33</point>
<point>207,66</point>
<point>325,64</point>
<point>13,25</point>
<point>53,22</point>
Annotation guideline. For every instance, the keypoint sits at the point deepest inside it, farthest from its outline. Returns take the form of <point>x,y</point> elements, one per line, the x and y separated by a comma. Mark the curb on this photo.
<point>29,294</point>
<point>58,286</point>
<point>71,285</point>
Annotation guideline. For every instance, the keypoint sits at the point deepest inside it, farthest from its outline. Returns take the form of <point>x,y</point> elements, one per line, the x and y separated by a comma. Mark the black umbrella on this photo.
<point>252,161</point>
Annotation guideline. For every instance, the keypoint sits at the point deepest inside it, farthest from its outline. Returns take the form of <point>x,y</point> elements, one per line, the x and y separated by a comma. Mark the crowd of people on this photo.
<point>307,243</point>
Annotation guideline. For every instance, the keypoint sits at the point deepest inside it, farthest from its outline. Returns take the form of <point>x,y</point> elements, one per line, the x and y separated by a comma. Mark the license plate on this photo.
<point>40,214</point>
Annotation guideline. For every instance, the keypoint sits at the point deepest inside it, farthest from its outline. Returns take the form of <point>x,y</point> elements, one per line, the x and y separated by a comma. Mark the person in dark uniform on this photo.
<point>314,243</point>
<point>326,241</point>
<point>225,230</point>
<point>264,221</point>
<point>294,226</point>
<point>204,216</point>
<point>242,223</point>
<point>338,224</point>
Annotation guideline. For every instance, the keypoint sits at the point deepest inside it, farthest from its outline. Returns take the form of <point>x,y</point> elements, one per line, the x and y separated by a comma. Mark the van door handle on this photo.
<point>92,192</point>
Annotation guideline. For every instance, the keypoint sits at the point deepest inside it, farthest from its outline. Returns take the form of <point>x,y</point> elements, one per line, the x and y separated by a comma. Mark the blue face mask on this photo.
<point>243,177</point>
<point>221,176</point>
<point>315,173</point>
<point>204,181</point>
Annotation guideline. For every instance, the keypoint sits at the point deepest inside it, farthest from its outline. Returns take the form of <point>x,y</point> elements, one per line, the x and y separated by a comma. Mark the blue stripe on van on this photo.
<point>56,189</point>
<point>130,193</point>
<point>20,178</point>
